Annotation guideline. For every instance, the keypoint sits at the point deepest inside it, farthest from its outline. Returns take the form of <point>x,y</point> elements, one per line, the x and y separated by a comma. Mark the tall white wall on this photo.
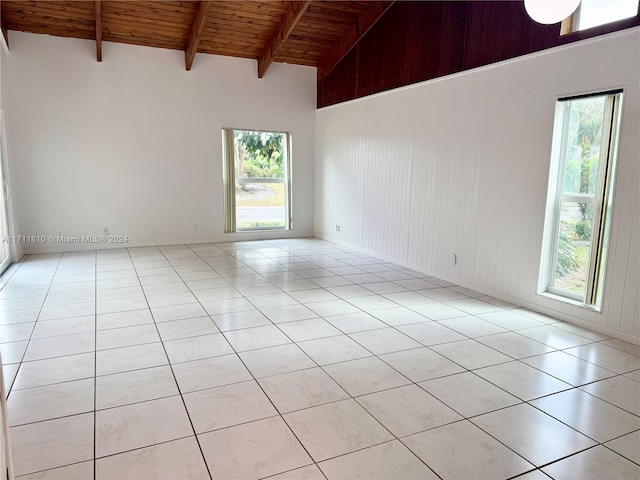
<point>134,143</point>
<point>460,165</point>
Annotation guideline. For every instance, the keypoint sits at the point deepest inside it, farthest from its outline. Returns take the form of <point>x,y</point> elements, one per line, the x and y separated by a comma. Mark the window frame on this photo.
<point>602,199</point>
<point>230,179</point>
<point>571,24</point>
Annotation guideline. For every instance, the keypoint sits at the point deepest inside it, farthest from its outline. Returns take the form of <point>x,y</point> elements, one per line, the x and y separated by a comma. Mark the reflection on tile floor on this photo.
<point>299,359</point>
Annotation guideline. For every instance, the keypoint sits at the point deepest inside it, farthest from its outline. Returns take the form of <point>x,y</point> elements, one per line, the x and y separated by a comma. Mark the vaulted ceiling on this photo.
<point>315,33</point>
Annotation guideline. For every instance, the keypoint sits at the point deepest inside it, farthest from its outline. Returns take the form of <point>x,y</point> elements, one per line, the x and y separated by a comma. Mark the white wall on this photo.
<point>460,165</point>
<point>134,142</point>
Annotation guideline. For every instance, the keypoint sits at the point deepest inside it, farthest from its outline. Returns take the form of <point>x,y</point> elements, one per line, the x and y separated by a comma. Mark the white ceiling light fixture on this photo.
<point>550,11</point>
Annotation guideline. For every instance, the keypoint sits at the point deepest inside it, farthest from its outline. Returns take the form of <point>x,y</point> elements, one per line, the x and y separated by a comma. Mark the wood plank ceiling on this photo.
<point>314,33</point>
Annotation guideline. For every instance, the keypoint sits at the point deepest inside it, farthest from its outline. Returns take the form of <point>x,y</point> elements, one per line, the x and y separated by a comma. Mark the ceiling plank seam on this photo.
<point>195,35</point>
<point>358,30</point>
<point>291,16</point>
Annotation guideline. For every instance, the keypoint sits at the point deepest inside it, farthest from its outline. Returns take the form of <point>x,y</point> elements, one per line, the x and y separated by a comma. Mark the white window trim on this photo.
<point>602,201</point>
<point>230,181</point>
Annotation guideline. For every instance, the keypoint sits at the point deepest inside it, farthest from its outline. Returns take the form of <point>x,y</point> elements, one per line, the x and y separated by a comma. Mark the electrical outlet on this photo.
<point>453,259</point>
<point>337,228</point>
<point>106,230</point>
<point>194,227</point>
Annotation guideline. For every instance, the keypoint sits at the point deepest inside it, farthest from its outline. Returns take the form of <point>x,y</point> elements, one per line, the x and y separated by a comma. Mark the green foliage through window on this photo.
<point>259,154</point>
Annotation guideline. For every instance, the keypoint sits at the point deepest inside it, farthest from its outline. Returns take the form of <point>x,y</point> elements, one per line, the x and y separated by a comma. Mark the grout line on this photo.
<point>95,366</point>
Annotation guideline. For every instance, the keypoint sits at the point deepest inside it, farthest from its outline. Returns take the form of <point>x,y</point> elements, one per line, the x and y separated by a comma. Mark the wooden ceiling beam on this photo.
<point>291,16</point>
<point>358,30</point>
<point>196,32</point>
<point>98,16</point>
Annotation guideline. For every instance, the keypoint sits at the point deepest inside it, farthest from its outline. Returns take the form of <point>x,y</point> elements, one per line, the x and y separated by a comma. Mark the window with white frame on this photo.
<point>257,177</point>
<point>580,194</point>
<point>591,13</point>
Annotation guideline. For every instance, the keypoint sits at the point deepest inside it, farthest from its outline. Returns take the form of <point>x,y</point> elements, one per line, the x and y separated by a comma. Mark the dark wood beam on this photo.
<point>98,15</point>
<point>291,16</point>
<point>367,20</point>
<point>197,27</point>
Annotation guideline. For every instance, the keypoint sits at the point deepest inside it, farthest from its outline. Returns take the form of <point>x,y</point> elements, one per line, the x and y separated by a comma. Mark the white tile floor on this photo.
<point>299,359</point>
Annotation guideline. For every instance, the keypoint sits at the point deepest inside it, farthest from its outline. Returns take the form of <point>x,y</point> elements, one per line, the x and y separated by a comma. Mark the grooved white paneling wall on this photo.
<point>134,142</point>
<point>460,165</point>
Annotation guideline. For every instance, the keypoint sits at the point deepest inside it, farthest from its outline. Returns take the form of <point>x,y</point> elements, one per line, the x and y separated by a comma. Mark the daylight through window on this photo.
<point>580,195</point>
<point>257,179</point>
<point>591,13</point>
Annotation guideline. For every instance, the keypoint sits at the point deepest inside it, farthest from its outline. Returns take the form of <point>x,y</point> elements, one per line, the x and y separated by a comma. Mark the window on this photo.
<point>579,198</point>
<point>257,176</point>
<point>591,13</point>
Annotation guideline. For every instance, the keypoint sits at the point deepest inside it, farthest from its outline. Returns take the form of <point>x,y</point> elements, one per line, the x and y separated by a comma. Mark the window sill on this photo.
<point>570,301</point>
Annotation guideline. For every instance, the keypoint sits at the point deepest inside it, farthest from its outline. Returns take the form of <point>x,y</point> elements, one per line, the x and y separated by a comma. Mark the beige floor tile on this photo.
<point>382,462</point>
<point>55,370</point>
<point>471,354</point>
<point>77,471</point>
<point>335,429</point>
<point>134,386</point>
<point>221,407</point>
<point>628,446</point>
<point>124,319</point>
<point>621,391</point>
<point>256,337</point>
<point>385,340</point>
<point>210,372</point>
<point>302,389</point>
<point>312,472</point>
<point>595,463</point>
<point>190,327</point>
<point>515,345</point>
<point>311,329</point>
<point>607,357</point>
<point>253,450</point>
<point>469,394</point>
<point>421,364</point>
<point>239,320</point>
<point>431,333</point>
<point>51,444</point>
<point>51,401</point>
<point>126,336</point>
<point>568,368</point>
<point>355,322</point>
<point>365,375</point>
<point>60,346</point>
<point>173,460</point>
<point>140,425</point>
<point>195,348</point>
<point>400,316</point>
<point>276,360</point>
<point>408,410</point>
<point>534,435</point>
<point>329,350</point>
<point>130,358</point>
<point>462,450</point>
<point>521,380</point>
<point>588,414</point>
